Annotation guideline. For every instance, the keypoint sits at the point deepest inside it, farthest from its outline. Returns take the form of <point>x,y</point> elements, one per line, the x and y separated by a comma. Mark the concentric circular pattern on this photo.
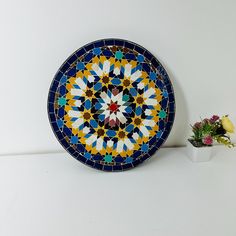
<point>111,104</point>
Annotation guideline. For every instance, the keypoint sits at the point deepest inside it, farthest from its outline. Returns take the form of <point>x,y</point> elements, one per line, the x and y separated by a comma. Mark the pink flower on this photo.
<point>207,140</point>
<point>197,125</point>
<point>206,120</point>
<point>214,118</point>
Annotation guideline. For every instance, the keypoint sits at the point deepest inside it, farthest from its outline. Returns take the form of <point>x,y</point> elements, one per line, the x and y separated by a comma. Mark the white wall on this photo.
<point>194,39</point>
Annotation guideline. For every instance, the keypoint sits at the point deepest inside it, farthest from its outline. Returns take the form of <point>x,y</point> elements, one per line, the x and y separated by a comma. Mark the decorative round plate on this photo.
<point>111,104</point>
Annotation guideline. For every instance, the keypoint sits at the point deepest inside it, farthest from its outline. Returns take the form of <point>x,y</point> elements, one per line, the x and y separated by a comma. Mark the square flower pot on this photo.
<point>199,154</point>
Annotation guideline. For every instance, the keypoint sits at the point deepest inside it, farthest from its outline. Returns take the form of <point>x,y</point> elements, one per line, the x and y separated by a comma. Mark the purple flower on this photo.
<point>207,140</point>
<point>214,118</point>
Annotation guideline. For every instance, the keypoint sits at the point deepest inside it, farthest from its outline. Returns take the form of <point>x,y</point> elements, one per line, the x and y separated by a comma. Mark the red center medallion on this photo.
<point>113,107</point>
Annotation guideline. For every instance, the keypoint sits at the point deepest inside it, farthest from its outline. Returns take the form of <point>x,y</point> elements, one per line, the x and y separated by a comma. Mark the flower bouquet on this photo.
<point>206,132</point>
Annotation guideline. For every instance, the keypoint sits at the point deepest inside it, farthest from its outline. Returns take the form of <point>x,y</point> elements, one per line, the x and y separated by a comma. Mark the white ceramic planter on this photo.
<point>199,154</point>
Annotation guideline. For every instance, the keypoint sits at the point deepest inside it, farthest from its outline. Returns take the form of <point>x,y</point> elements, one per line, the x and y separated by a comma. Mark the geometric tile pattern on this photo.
<point>111,104</point>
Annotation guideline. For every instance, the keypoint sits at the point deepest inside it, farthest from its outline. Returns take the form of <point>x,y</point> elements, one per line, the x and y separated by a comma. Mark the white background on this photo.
<point>194,39</point>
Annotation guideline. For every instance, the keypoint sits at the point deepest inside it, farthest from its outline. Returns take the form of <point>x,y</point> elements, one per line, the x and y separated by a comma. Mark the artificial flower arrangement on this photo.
<point>216,129</point>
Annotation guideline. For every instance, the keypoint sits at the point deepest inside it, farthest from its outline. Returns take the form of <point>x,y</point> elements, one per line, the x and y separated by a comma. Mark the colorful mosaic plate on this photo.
<point>111,104</point>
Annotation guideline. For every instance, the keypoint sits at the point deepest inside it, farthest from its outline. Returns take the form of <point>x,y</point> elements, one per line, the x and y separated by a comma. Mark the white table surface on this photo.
<point>55,195</point>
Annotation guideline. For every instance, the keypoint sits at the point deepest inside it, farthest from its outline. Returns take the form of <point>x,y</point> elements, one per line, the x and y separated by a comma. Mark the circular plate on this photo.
<point>111,104</point>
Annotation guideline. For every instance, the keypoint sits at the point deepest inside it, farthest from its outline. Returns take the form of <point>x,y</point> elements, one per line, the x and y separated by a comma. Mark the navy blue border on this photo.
<point>73,58</point>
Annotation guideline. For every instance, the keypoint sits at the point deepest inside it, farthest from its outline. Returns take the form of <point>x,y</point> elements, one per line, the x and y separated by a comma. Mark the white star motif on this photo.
<point>135,136</point>
<point>86,130</point>
<point>140,85</point>
<point>148,112</point>
<point>110,143</point>
<point>78,103</point>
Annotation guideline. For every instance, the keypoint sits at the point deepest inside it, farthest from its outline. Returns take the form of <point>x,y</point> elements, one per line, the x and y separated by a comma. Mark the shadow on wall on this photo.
<point>180,129</point>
